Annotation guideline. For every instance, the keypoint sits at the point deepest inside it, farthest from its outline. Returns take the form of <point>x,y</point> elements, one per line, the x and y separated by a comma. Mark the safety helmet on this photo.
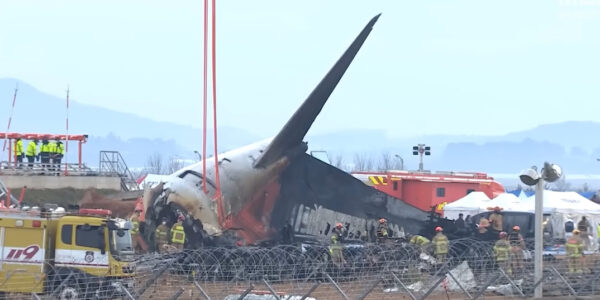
<point>382,220</point>
<point>516,228</point>
<point>438,229</point>
<point>576,231</point>
<point>503,234</point>
<point>339,225</point>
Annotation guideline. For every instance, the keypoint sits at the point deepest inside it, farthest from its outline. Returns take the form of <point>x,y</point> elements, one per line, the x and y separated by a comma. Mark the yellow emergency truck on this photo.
<point>83,255</point>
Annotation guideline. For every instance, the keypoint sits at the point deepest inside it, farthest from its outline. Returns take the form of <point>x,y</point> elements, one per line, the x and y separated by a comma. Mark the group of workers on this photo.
<point>166,240</point>
<point>438,246</point>
<point>50,153</point>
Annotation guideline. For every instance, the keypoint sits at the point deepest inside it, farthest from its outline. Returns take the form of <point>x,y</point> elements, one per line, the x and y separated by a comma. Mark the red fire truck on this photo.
<point>425,190</point>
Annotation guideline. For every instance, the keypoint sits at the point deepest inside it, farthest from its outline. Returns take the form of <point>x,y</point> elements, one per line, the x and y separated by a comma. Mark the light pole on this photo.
<point>419,150</point>
<point>199,155</point>
<point>401,161</point>
<point>530,177</point>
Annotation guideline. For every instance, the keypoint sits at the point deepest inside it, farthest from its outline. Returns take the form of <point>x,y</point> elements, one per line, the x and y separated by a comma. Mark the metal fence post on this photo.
<point>435,285</point>
<point>204,294</point>
<point>511,282</point>
<point>271,289</point>
<point>571,290</point>
<point>403,286</point>
<point>312,289</point>
<point>490,282</point>
<point>460,285</point>
<point>246,292</point>
<point>369,289</point>
<point>177,294</point>
<point>336,286</point>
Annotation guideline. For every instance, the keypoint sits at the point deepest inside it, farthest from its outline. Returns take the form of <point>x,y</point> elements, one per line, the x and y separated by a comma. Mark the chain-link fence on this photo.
<point>394,270</point>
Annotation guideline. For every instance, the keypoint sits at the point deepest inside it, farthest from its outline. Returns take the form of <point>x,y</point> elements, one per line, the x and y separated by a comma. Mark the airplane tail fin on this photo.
<point>298,125</point>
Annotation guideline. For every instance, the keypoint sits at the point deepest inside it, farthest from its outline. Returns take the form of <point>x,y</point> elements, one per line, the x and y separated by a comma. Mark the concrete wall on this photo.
<point>58,182</point>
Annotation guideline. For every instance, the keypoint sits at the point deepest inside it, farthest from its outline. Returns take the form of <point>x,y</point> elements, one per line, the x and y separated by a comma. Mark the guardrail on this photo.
<point>38,168</point>
<point>369,271</point>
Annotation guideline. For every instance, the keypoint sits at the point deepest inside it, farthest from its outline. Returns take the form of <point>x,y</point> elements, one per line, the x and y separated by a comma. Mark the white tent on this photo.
<point>566,207</point>
<point>471,204</point>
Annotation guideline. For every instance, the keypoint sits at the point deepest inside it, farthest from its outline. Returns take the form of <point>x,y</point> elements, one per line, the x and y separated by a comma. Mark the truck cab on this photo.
<point>71,256</point>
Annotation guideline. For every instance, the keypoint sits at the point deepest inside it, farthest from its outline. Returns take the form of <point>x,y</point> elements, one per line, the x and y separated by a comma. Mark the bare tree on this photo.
<point>336,160</point>
<point>154,164</point>
<point>174,164</point>
<point>363,162</point>
<point>386,162</point>
<point>562,184</point>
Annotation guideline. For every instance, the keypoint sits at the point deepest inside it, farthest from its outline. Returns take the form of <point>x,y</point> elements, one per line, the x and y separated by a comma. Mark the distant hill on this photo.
<point>571,144</point>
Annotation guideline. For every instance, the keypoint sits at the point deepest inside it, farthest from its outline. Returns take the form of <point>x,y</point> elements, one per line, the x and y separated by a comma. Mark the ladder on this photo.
<point>4,194</point>
<point>112,164</point>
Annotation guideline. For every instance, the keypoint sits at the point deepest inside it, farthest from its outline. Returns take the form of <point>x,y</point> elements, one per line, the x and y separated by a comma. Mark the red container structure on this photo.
<point>428,190</point>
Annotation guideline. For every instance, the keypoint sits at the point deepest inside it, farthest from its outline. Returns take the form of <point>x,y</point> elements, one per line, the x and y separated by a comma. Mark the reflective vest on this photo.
<point>161,233</point>
<point>45,148</point>
<point>440,241</point>
<point>18,148</point>
<point>52,147</point>
<point>31,149</point>
<point>382,232</point>
<point>136,225</point>
<point>419,240</point>
<point>502,250</point>
<point>574,246</point>
<point>60,148</point>
<point>177,234</point>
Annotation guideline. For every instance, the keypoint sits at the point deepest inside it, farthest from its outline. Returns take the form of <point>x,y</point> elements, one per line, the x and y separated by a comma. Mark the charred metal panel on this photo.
<point>313,183</point>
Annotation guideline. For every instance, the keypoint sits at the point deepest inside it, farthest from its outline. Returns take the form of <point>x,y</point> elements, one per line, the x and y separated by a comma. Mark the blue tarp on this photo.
<point>588,195</point>
<point>528,193</point>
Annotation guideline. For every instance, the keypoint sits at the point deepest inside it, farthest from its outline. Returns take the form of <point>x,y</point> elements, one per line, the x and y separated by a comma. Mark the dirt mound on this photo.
<point>119,208</point>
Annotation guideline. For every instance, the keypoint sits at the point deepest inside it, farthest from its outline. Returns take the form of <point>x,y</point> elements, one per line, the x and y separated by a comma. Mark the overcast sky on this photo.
<point>429,67</point>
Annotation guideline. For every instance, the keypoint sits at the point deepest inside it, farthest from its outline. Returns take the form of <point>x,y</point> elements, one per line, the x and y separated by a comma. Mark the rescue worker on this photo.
<point>19,154</point>
<point>162,236</point>
<point>382,231</point>
<point>517,244</point>
<point>483,225</point>
<point>177,234</point>
<point>496,219</point>
<point>135,230</point>
<point>52,151</point>
<point>45,154</point>
<point>584,225</point>
<point>574,249</point>
<point>59,152</point>
<point>31,152</point>
<point>502,252</point>
<point>336,249</point>
<point>460,223</point>
<point>440,244</point>
<point>340,231</point>
<point>420,241</point>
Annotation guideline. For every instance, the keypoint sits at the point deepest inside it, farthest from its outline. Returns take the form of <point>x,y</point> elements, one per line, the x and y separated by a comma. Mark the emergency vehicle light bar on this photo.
<point>95,212</point>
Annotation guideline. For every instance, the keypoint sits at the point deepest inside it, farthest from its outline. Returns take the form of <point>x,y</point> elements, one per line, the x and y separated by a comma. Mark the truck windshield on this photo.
<point>120,245</point>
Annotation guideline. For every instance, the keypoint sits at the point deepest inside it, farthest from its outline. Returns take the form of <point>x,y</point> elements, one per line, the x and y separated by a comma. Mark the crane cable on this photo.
<point>204,100</point>
<point>218,196</point>
<point>12,109</point>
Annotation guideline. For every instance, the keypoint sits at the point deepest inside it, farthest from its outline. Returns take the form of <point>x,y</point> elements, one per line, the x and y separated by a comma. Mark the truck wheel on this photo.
<point>69,292</point>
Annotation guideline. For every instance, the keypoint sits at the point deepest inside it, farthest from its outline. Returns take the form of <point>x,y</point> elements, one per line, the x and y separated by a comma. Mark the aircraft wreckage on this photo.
<point>272,188</point>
